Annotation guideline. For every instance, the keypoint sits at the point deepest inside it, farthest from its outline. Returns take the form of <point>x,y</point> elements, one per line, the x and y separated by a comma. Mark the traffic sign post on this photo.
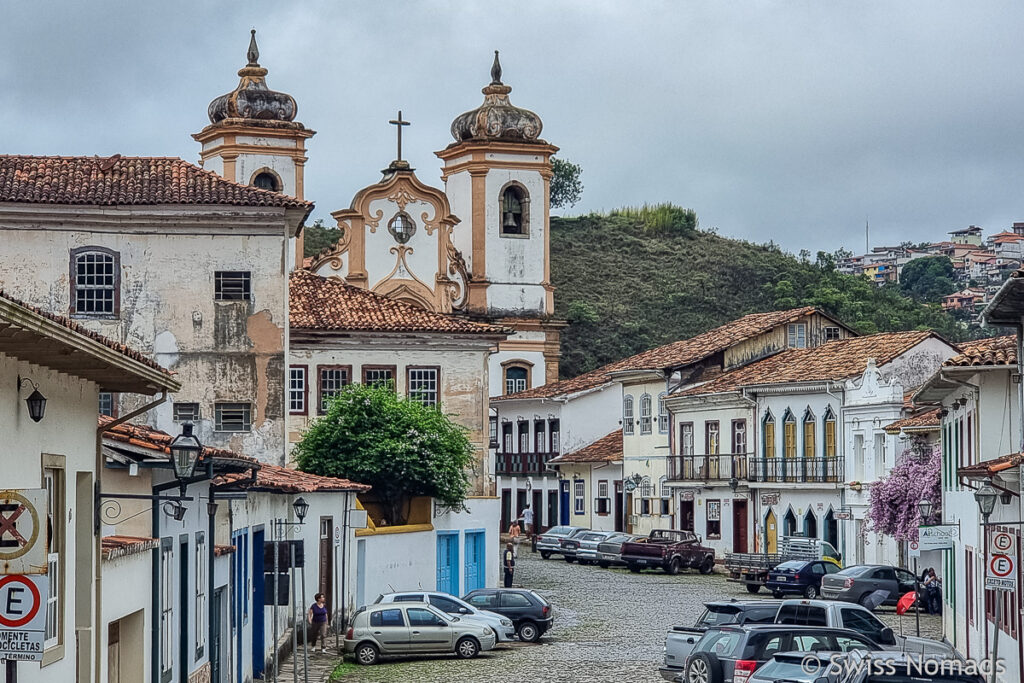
<point>23,531</point>
<point>1001,568</point>
<point>23,616</point>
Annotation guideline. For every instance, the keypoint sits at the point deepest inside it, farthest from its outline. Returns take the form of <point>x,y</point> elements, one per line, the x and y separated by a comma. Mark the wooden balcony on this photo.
<point>722,467</point>
<point>523,464</point>
<point>797,470</point>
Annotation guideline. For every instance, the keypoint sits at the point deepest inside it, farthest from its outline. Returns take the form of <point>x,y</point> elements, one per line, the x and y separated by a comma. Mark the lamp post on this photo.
<point>300,507</point>
<point>924,510</point>
<point>986,497</point>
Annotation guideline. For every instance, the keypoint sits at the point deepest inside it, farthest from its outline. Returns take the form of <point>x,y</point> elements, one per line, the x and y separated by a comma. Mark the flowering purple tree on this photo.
<point>892,507</point>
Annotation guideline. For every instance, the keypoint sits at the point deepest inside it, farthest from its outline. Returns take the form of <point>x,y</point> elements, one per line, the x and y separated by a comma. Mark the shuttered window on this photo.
<point>830,435</point>
<point>809,436</point>
<point>769,437</point>
<point>789,435</point>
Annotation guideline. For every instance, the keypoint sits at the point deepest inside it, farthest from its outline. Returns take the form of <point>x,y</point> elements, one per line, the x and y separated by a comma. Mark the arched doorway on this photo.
<point>832,529</point>
<point>789,524</point>
<point>810,525</point>
<point>771,533</point>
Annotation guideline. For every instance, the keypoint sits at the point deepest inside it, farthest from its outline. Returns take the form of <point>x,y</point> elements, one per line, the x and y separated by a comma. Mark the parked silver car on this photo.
<point>586,545</point>
<point>410,628</point>
<point>453,606</point>
<point>548,542</point>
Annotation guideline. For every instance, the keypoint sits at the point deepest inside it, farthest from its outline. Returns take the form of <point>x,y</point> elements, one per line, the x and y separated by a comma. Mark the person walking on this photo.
<point>527,515</point>
<point>509,562</point>
<point>516,534</point>
<point>317,617</point>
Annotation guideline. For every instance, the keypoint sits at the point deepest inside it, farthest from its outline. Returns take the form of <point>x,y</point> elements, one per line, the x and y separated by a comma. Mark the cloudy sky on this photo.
<point>786,121</point>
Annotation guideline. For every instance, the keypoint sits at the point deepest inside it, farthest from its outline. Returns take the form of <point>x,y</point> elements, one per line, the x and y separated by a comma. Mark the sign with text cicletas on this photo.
<point>23,531</point>
<point>23,616</point>
<point>938,537</point>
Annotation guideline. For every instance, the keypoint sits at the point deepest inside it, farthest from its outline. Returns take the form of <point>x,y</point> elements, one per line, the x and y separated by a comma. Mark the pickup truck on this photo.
<point>859,619</point>
<point>752,568</point>
<point>669,549</point>
<point>680,640</point>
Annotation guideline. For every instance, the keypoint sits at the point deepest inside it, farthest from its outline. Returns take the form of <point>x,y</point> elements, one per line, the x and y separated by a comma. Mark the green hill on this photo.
<point>639,278</point>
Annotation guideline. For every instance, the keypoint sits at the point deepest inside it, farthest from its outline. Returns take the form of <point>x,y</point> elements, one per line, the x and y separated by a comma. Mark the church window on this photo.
<point>627,416</point>
<point>515,211</point>
<point>232,285</point>
<point>517,378</point>
<point>402,227</point>
<point>265,180</point>
<point>423,384</point>
<point>95,282</point>
<point>332,378</point>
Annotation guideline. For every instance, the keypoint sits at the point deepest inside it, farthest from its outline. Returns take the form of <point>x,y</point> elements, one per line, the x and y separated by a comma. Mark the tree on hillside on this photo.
<point>566,186</point>
<point>928,279</point>
<point>397,445</point>
<point>318,237</point>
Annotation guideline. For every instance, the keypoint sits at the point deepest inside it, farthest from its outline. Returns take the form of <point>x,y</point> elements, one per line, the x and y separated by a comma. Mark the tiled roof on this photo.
<point>606,449</point>
<point>75,327</point>
<point>118,181</point>
<point>992,351</point>
<point>991,467</point>
<point>837,360</point>
<point>287,480</point>
<point>219,550</point>
<point>676,354</point>
<point>153,439</point>
<point>922,422</point>
<point>328,304</point>
<point>120,546</point>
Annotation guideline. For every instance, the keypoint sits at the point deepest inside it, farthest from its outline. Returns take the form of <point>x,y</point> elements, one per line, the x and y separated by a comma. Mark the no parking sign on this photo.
<point>23,616</point>
<point>1001,572</point>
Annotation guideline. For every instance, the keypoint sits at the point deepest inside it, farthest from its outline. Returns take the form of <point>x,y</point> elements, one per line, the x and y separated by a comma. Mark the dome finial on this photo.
<point>253,54</point>
<point>496,70</point>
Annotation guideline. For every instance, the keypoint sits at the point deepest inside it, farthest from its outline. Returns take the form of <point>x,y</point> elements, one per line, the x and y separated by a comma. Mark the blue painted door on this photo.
<point>563,504</point>
<point>448,562</point>
<point>239,592</point>
<point>475,563</point>
<point>258,609</point>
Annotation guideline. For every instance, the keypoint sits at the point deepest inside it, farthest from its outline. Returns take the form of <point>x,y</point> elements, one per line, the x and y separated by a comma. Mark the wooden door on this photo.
<point>326,574</point>
<point>771,532</point>
<point>619,522</point>
<point>114,652</point>
<point>739,526</point>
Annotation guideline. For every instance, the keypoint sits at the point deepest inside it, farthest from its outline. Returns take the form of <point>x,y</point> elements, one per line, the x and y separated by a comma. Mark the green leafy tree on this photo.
<point>318,237</point>
<point>395,444</point>
<point>928,279</point>
<point>566,186</point>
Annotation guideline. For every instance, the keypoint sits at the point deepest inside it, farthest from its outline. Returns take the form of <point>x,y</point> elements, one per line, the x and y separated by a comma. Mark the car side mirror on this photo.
<point>453,619</point>
<point>888,637</point>
<point>463,610</point>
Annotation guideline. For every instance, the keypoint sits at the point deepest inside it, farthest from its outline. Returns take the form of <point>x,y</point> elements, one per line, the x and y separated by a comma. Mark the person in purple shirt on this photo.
<point>317,617</point>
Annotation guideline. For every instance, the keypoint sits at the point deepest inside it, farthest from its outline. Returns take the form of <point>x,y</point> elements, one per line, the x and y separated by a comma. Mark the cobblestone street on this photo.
<point>610,625</point>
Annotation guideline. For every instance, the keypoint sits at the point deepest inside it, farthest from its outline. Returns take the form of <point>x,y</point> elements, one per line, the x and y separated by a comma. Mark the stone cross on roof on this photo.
<point>398,123</point>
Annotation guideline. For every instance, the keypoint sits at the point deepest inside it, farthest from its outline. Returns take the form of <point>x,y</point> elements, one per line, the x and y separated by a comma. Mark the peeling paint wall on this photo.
<point>222,351</point>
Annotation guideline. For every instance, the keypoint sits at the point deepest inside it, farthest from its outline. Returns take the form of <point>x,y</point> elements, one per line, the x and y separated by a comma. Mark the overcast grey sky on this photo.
<point>791,121</point>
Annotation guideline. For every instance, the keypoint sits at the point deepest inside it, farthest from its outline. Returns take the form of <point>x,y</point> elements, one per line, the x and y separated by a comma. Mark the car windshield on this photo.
<point>855,571</point>
<point>720,643</point>
<point>592,537</point>
<point>792,564</point>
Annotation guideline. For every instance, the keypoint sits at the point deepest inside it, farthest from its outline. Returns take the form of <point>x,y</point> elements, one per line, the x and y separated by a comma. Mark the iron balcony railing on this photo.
<point>721,467</point>
<point>797,470</point>
<point>524,463</point>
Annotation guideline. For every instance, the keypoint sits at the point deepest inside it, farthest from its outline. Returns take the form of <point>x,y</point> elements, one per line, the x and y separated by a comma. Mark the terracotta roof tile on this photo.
<point>287,480</point>
<point>329,304</point>
<point>219,550</point>
<point>79,329</point>
<point>144,436</point>
<point>606,449</point>
<point>991,467</point>
<point>120,546</point>
<point>925,421</point>
<point>676,354</point>
<point>118,181</point>
<point>993,351</point>
<point>837,360</point>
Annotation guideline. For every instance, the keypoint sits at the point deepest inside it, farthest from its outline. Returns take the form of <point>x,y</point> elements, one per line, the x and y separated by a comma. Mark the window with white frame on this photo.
<point>297,390</point>
<point>516,379</point>
<point>524,436</point>
<point>493,427</point>
<point>422,384</point>
<point>662,415</point>
<point>580,492</point>
<point>95,282</point>
<point>686,438</point>
<point>831,333</point>
<point>602,502</point>
<point>201,572</point>
<point>645,414</point>
<point>53,482</point>
<point>555,436</point>
<point>796,336</point>
<point>332,378</point>
<point>739,437</point>
<point>627,416</point>
<point>507,440</point>
<point>646,492</point>
<point>166,607</point>
<point>666,496</point>
<point>540,444</point>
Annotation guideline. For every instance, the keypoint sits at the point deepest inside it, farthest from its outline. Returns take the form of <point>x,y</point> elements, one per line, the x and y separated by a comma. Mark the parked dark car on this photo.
<point>530,613</point>
<point>669,549</point>
<point>548,542</point>
<point>793,667</point>
<point>609,552</point>
<point>680,639</point>
<point>856,583</point>
<point>800,577</point>
<point>731,654</point>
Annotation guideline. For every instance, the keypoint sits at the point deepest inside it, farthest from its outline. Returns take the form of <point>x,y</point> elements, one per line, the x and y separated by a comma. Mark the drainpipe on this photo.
<point>841,439</point>
<point>98,542</point>
<point>1020,381</point>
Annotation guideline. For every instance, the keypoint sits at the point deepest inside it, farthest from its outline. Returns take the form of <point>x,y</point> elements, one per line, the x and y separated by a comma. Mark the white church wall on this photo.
<point>515,265</point>
<point>246,166</point>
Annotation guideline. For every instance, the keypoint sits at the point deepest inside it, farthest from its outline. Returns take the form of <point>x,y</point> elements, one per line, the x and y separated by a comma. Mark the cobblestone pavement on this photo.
<point>609,626</point>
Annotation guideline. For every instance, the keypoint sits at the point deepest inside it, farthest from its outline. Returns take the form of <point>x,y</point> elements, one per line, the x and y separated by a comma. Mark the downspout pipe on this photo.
<point>1020,382</point>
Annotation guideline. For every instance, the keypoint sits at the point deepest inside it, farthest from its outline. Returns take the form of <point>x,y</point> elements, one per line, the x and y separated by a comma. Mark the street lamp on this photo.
<point>986,499</point>
<point>36,402</point>
<point>734,484</point>
<point>301,507</point>
<point>925,509</point>
<point>185,450</point>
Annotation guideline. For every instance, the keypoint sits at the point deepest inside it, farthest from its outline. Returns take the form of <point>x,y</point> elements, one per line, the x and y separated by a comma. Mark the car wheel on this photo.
<point>545,554</point>
<point>467,648</point>
<point>635,569</point>
<point>707,565</point>
<point>528,632</point>
<point>778,595</point>
<point>604,565</point>
<point>673,566</point>
<point>703,667</point>
<point>753,587</point>
<point>811,592</point>
<point>568,559</point>
<point>367,654</point>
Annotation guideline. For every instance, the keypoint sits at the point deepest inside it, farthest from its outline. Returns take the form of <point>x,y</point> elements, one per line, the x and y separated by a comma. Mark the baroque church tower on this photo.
<point>253,137</point>
<point>497,178</point>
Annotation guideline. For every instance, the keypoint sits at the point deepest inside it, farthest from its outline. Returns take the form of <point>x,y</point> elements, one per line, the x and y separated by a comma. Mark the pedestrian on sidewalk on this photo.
<point>509,562</point>
<point>317,617</point>
<point>516,534</point>
<point>527,515</point>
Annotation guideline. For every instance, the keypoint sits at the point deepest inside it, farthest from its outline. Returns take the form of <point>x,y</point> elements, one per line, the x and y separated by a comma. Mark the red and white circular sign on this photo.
<point>1002,542</point>
<point>19,601</point>
<point>1000,566</point>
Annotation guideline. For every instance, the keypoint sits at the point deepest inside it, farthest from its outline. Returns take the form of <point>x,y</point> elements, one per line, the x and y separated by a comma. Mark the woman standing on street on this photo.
<point>516,534</point>
<point>317,618</point>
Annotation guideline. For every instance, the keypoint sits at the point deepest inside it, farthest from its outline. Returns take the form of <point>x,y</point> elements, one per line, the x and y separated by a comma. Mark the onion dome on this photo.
<point>496,118</point>
<point>252,99</point>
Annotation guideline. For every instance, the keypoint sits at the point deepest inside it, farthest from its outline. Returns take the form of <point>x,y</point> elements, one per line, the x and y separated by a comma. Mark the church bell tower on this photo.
<point>253,137</point>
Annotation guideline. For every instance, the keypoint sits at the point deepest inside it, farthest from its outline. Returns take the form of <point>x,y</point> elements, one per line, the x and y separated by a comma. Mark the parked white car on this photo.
<point>452,605</point>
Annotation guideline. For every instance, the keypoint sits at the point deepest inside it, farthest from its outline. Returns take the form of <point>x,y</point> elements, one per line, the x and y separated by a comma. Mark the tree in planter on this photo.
<point>395,444</point>
<point>892,507</point>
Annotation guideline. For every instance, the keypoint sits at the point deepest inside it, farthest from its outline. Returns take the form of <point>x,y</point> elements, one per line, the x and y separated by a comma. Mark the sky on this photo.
<point>796,122</point>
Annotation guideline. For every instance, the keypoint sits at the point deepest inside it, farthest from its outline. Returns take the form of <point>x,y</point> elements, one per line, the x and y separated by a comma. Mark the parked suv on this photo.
<point>530,613</point>
<point>680,639</point>
<point>800,577</point>
<point>449,604</point>
<point>413,627</point>
<point>856,583</point>
<point>548,542</point>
